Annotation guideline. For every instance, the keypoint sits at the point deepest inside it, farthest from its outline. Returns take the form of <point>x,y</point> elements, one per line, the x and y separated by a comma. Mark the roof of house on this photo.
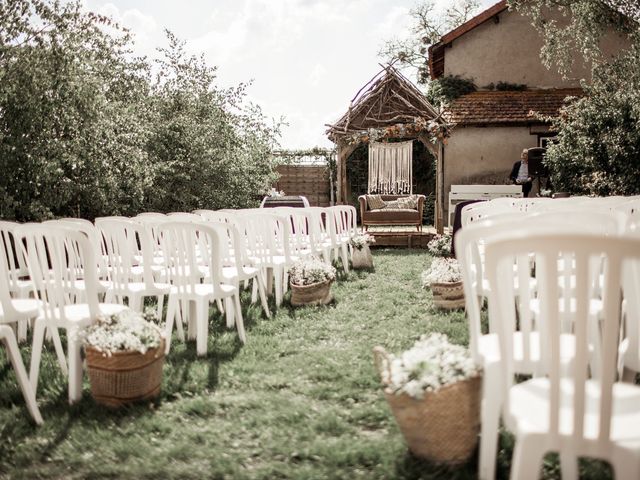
<point>387,99</point>
<point>508,107</point>
<point>436,51</point>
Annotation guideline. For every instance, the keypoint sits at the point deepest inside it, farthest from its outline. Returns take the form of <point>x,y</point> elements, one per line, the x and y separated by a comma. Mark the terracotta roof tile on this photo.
<point>507,107</point>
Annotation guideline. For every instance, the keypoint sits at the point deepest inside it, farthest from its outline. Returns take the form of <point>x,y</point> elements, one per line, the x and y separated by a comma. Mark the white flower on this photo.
<point>360,240</point>
<point>126,331</point>
<point>442,270</point>
<point>440,245</point>
<point>310,271</point>
<point>432,363</point>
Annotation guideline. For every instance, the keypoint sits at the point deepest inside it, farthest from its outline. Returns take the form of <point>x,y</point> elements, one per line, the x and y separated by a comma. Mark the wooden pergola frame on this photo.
<point>390,106</point>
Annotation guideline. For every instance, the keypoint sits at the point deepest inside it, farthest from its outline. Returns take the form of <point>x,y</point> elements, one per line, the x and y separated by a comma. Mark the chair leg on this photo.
<point>278,279</point>
<point>57,344</point>
<point>36,353</point>
<point>258,282</point>
<point>254,288</point>
<point>489,425</point>
<point>192,328</point>
<point>202,326</point>
<point>168,329</point>
<point>527,458</point>
<point>344,254</point>
<point>239,319</point>
<point>75,368</point>
<point>21,373</point>
<point>135,302</point>
<point>230,315</point>
<point>160,306</point>
<point>568,466</point>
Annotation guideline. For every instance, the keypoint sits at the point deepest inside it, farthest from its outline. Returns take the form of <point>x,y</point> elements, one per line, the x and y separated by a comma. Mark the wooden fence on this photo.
<point>312,181</point>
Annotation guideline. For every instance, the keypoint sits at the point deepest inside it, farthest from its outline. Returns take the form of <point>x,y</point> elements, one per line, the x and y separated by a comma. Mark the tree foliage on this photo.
<point>86,130</point>
<point>428,26</point>
<point>598,148</point>
<point>598,151</point>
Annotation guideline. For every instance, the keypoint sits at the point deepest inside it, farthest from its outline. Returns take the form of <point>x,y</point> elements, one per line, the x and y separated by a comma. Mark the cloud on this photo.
<point>316,76</point>
<point>143,26</point>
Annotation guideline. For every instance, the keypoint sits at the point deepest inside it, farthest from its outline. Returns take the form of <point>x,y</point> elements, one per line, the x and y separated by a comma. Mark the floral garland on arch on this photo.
<point>436,131</point>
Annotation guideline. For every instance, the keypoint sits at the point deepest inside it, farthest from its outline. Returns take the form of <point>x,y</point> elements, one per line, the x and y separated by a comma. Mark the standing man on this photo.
<point>520,173</point>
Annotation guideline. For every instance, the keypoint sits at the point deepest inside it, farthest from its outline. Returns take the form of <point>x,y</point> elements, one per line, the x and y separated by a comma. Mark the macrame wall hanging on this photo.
<point>391,168</point>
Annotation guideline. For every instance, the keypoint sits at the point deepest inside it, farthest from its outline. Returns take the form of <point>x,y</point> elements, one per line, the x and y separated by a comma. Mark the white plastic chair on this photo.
<point>345,221</point>
<point>184,243</point>
<point>471,242</point>
<point>268,238</point>
<point>567,412</point>
<point>57,257</point>
<point>12,311</point>
<point>130,256</point>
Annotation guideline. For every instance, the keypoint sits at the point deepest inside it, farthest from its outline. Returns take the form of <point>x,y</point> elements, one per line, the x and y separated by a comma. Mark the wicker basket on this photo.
<point>314,294</point>
<point>448,295</point>
<point>125,377</point>
<point>443,426</point>
<point>361,259</point>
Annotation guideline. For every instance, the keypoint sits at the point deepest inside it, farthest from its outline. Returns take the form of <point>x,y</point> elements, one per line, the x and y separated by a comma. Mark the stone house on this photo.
<point>492,127</point>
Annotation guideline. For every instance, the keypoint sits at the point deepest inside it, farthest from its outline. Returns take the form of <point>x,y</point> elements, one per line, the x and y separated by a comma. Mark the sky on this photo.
<point>306,59</point>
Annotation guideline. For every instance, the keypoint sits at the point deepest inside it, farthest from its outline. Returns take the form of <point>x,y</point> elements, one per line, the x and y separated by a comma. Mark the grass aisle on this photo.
<point>300,400</point>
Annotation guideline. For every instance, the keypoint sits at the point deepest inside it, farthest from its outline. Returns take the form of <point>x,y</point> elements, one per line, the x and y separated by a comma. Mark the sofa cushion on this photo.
<point>404,203</point>
<point>375,202</point>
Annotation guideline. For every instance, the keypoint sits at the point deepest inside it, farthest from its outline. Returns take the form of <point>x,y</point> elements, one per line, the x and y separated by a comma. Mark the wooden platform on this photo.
<point>402,236</point>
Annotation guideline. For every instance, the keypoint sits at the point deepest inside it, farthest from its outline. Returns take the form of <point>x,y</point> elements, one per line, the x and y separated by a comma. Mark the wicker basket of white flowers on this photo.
<point>125,356</point>
<point>445,281</point>
<point>310,280</point>
<point>361,257</point>
<point>433,390</point>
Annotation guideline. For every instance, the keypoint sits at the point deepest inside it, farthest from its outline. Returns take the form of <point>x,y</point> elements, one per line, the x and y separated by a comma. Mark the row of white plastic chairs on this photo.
<point>562,279</point>
<point>55,273</point>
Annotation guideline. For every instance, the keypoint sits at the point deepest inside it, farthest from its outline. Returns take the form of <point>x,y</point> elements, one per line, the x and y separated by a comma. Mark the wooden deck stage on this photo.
<point>401,236</point>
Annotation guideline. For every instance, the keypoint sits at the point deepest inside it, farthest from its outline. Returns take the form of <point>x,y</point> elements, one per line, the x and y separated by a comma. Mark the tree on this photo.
<point>71,135</point>
<point>210,148</point>
<point>428,26</point>
<point>585,23</point>
<point>598,148</point>
<point>86,130</point>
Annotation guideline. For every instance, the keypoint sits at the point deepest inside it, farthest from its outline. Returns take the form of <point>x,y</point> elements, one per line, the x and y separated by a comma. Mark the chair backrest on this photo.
<point>190,249</point>
<point>345,218</point>
<point>150,215</point>
<point>588,251</point>
<point>93,234</point>
<point>127,244</point>
<point>268,235</point>
<point>57,258</point>
<point>193,217</point>
<point>15,262</point>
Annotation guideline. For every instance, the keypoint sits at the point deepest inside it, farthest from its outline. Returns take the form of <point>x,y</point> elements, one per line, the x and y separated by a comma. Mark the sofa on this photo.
<point>391,216</point>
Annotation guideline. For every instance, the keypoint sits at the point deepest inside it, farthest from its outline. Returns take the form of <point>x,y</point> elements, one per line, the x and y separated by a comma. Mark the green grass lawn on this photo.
<point>300,400</point>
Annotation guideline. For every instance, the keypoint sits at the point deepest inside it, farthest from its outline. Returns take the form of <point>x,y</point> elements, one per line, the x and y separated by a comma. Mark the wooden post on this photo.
<point>339,174</point>
<point>439,210</point>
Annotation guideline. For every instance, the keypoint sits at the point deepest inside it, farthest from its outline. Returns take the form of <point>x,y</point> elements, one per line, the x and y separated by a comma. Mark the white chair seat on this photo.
<point>529,410</point>
<point>79,313</point>
<point>595,306</point>
<point>489,347</point>
<point>26,307</point>
<point>205,290</point>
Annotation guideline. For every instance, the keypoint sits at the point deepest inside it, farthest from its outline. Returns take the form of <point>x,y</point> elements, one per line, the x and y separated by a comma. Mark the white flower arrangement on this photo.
<point>126,331</point>
<point>432,363</point>
<point>440,245</point>
<point>273,193</point>
<point>442,270</point>
<point>310,271</point>
<point>358,241</point>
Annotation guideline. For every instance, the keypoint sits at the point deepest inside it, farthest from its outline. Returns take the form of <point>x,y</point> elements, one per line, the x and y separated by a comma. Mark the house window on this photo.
<point>547,140</point>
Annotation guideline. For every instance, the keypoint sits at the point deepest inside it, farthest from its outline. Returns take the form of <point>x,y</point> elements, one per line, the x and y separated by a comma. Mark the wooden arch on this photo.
<point>389,106</point>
